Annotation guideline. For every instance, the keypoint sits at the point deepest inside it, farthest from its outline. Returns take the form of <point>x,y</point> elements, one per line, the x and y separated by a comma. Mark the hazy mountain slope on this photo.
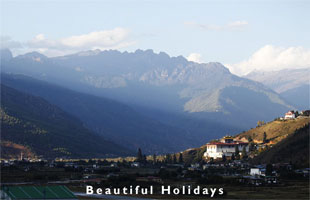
<point>196,87</point>
<point>108,118</point>
<point>293,149</point>
<point>47,130</point>
<point>157,81</point>
<point>283,80</point>
<point>6,55</point>
<point>299,96</point>
<point>291,84</point>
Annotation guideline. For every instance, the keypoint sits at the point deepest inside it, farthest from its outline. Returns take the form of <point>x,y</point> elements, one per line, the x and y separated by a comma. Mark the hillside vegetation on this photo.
<point>293,149</point>
<point>34,124</point>
<point>275,130</point>
<point>13,150</point>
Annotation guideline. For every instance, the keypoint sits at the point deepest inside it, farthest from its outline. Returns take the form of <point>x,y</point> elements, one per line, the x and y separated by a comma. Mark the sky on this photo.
<point>243,35</point>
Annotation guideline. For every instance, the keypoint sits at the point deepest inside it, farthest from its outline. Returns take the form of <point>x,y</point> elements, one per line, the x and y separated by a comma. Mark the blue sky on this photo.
<point>240,34</point>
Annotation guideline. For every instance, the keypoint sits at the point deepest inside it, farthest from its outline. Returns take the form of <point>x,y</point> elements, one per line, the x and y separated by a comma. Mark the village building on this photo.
<point>290,115</point>
<point>257,171</point>
<point>226,146</point>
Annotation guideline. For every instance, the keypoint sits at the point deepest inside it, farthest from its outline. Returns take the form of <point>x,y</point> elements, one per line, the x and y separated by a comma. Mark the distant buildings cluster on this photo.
<point>227,146</point>
<point>292,114</point>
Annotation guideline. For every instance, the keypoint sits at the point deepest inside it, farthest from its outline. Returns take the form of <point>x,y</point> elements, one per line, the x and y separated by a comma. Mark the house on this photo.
<point>194,167</point>
<point>270,180</point>
<point>257,171</point>
<point>114,165</point>
<point>135,164</point>
<point>290,115</point>
<point>226,146</point>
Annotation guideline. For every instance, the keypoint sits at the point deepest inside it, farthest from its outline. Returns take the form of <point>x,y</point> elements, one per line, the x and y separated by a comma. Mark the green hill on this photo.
<point>33,123</point>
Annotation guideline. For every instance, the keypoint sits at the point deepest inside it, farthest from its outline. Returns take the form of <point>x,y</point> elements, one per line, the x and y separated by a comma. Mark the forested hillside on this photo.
<point>47,130</point>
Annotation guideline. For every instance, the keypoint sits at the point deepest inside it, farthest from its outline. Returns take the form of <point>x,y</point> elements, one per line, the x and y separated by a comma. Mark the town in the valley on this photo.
<point>226,162</point>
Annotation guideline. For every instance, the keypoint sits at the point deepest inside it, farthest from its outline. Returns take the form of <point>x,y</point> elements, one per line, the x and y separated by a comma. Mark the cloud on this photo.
<point>238,24</point>
<point>107,39</point>
<point>232,26</point>
<point>195,57</point>
<point>272,58</point>
<point>8,42</point>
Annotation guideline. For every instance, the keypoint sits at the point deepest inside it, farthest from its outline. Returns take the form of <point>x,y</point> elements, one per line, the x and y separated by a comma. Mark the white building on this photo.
<point>257,171</point>
<point>226,146</point>
<point>290,115</point>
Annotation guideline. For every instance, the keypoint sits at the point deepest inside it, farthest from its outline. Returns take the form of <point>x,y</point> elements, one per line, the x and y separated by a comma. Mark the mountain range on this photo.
<point>145,99</point>
<point>145,79</point>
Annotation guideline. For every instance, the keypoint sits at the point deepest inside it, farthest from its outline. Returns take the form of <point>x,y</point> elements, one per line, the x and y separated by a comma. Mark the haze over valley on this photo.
<point>149,100</point>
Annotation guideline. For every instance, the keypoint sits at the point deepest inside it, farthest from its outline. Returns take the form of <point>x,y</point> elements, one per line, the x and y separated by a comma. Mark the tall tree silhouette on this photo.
<point>139,155</point>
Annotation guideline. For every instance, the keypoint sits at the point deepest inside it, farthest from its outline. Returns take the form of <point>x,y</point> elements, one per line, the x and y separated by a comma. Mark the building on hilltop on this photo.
<point>290,115</point>
<point>226,146</point>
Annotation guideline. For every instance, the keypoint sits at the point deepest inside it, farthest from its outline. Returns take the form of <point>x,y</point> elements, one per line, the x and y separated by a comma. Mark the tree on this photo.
<point>168,158</point>
<point>223,158</point>
<point>174,160</point>
<point>251,147</point>
<point>144,160</point>
<point>233,157</point>
<point>244,154</point>
<point>265,137</point>
<point>237,153</point>
<point>260,123</point>
<point>181,158</point>
<point>139,156</point>
<point>269,169</point>
<point>250,139</point>
<point>154,158</point>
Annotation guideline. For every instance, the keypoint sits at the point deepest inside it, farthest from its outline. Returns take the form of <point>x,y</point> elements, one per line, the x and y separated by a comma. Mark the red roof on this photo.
<point>222,143</point>
<point>290,113</point>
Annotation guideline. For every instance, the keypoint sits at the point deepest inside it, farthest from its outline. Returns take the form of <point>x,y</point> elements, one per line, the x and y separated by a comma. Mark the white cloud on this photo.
<point>8,42</point>
<point>195,57</point>
<point>236,25</point>
<point>272,58</point>
<point>107,39</point>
